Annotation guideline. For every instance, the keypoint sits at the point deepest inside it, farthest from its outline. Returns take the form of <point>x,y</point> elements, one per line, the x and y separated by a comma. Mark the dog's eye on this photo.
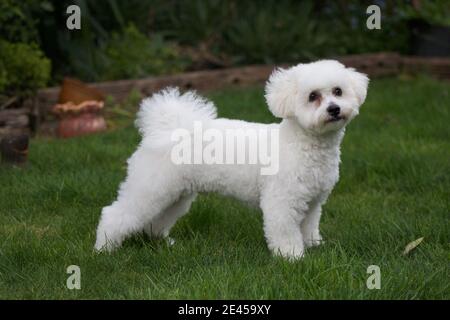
<point>337,92</point>
<point>313,96</point>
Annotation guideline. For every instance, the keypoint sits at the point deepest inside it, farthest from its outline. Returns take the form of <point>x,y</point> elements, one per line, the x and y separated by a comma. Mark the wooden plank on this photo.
<point>15,118</point>
<point>439,67</point>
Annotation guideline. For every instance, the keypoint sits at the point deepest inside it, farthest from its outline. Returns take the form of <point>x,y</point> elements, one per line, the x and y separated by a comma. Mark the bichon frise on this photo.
<point>315,101</point>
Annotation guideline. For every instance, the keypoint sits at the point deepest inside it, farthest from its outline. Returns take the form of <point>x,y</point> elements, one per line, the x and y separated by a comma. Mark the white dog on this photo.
<point>315,101</point>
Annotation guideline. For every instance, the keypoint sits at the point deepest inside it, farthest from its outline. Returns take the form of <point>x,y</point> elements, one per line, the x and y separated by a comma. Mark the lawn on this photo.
<point>394,188</point>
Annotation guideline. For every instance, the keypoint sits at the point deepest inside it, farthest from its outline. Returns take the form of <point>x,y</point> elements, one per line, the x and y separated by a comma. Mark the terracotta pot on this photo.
<point>77,92</point>
<point>81,124</point>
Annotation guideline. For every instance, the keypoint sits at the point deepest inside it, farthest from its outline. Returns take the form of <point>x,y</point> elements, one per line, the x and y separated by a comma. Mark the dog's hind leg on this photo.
<point>127,216</point>
<point>116,223</point>
<point>160,225</point>
<point>142,197</point>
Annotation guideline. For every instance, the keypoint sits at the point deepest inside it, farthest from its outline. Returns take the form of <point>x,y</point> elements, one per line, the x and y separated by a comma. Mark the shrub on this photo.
<point>23,68</point>
<point>271,33</point>
<point>282,30</point>
<point>17,23</point>
<point>246,31</point>
<point>435,12</point>
<point>130,54</point>
<point>346,25</point>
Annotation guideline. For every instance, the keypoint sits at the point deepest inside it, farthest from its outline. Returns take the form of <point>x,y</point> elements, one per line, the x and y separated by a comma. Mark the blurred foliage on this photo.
<point>123,54</point>
<point>109,45</point>
<point>130,54</point>
<point>247,31</point>
<point>270,35</point>
<point>195,21</point>
<point>435,12</point>
<point>138,38</point>
<point>283,30</point>
<point>346,21</point>
<point>23,68</point>
<point>122,113</point>
<point>18,19</point>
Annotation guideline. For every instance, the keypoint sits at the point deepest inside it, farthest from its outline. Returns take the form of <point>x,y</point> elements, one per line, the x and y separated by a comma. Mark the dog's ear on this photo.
<point>359,82</point>
<point>281,92</point>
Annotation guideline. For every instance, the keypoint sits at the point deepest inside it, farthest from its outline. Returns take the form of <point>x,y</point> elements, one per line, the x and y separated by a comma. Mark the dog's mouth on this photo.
<point>335,119</point>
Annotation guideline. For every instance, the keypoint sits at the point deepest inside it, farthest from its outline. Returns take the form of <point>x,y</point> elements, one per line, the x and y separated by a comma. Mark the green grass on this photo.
<point>394,188</point>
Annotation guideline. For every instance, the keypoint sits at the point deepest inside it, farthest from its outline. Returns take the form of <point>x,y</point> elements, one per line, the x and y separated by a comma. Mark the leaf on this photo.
<point>412,245</point>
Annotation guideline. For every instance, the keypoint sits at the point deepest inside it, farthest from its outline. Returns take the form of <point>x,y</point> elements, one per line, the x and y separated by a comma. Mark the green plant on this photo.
<point>130,54</point>
<point>435,12</point>
<point>345,23</point>
<point>248,32</point>
<point>199,21</point>
<point>23,68</point>
<point>110,47</point>
<point>271,33</point>
<point>119,114</point>
<point>18,19</point>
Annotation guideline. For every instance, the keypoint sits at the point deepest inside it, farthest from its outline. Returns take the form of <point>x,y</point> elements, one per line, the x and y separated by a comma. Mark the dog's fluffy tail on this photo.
<point>169,110</point>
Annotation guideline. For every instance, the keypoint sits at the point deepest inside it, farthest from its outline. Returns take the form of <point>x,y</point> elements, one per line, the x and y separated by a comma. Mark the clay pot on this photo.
<point>81,124</point>
<point>73,90</point>
<point>79,109</point>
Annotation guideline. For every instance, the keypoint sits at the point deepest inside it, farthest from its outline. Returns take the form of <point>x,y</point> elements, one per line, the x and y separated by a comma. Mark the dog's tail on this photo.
<point>169,110</point>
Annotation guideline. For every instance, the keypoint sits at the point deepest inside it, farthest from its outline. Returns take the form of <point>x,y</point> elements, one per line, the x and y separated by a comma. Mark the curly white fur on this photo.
<point>157,192</point>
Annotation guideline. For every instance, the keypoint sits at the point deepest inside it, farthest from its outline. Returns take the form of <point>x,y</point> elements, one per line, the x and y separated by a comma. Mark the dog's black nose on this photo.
<point>333,109</point>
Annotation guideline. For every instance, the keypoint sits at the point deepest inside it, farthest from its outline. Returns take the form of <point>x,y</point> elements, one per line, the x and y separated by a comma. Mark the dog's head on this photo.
<point>322,96</point>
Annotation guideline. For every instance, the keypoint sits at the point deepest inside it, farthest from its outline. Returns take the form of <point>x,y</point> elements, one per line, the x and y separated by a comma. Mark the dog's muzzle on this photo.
<point>335,113</point>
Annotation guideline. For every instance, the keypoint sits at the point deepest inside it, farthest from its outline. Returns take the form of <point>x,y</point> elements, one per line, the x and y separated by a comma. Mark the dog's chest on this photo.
<point>318,170</point>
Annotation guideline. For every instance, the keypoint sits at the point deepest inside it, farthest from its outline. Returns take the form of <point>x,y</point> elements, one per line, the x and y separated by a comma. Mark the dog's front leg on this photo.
<point>281,228</point>
<point>310,226</point>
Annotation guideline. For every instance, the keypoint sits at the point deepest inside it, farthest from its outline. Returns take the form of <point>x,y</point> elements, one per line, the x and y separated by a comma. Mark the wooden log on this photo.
<point>8,131</point>
<point>14,118</point>
<point>14,149</point>
<point>10,101</point>
<point>34,115</point>
<point>375,65</point>
<point>438,67</point>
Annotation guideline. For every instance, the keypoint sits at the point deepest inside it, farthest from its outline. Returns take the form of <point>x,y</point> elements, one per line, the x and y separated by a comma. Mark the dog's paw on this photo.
<point>314,240</point>
<point>104,245</point>
<point>313,243</point>
<point>170,241</point>
<point>291,253</point>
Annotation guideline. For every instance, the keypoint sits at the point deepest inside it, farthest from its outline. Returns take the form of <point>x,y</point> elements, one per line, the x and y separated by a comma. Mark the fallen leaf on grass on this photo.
<point>412,245</point>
